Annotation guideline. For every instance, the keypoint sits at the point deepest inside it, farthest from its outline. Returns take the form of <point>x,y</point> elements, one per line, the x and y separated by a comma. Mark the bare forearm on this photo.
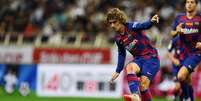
<point>173,33</point>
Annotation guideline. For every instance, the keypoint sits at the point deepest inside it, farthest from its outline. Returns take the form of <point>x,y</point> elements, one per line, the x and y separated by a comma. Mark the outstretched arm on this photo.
<point>144,25</point>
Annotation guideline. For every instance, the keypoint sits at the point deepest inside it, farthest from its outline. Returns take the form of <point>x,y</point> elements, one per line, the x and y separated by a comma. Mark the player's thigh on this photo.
<point>191,62</point>
<point>132,67</point>
<point>189,79</point>
<point>183,73</point>
<point>150,68</point>
<point>188,66</point>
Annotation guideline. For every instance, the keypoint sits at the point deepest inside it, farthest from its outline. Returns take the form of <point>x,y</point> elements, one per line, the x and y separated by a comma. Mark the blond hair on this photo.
<point>116,14</point>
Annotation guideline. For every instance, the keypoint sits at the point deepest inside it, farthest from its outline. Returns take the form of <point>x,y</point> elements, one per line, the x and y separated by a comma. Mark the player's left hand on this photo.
<point>114,76</point>
<point>155,19</point>
<point>198,45</point>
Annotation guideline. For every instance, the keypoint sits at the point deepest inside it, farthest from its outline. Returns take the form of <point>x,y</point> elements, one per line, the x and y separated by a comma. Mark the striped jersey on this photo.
<point>191,31</point>
<point>135,41</point>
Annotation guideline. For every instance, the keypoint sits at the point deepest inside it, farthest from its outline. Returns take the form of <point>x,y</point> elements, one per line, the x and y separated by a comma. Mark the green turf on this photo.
<point>32,97</point>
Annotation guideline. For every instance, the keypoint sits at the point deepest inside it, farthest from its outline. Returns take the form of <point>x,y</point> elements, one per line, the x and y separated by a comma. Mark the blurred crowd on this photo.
<point>68,21</point>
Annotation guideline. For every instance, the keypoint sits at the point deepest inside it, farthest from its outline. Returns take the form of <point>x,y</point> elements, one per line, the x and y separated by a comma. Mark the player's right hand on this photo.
<point>179,28</point>
<point>155,19</point>
<point>198,45</point>
<point>114,76</point>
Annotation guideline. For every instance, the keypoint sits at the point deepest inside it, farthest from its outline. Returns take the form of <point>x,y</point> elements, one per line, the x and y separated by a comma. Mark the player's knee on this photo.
<point>177,86</point>
<point>189,80</point>
<point>144,83</point>
<point>132,68</point>
<point>181,77</point>
<point>128,67</point>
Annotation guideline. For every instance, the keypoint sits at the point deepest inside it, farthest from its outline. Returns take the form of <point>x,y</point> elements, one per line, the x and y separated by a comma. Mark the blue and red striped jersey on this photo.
<point>135,41</point>
<point>180,51</point>
<point>192,31</point>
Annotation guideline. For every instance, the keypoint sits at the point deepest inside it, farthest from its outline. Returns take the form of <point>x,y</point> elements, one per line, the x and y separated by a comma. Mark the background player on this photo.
<point>130,37</point>
<point>188,25</point>
<point>177,53</point>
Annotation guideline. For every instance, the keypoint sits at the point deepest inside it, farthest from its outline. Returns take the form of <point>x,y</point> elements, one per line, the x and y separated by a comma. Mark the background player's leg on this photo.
<point>184,73</point>
<point>181,97</point>
<point>178,91</point>
<point>182,77</point>
<point>190,88</point>
<point>185,90</point>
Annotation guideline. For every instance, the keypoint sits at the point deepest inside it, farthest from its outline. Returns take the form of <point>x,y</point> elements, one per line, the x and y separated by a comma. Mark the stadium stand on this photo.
<point>76,22</point>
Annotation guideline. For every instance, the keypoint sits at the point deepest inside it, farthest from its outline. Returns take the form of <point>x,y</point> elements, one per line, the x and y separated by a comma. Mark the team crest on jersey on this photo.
<point>131,45</point>
<point>189,23</point>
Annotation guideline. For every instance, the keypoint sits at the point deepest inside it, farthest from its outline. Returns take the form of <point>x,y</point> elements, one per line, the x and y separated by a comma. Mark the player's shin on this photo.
<point>133,83</point>
<point>144,89</point>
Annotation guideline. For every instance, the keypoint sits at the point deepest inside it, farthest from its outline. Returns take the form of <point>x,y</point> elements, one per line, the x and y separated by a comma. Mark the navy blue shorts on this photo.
<point>175,70</point>
<point>192,61</point>
<point>148,67</point>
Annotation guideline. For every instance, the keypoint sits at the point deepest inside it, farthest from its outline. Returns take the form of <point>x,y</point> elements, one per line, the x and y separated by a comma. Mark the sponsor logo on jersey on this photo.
<point>190,30</point>
<point>196,23</point>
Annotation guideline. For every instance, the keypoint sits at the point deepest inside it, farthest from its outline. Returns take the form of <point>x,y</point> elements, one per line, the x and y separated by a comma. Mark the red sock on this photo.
<point>146,95</point>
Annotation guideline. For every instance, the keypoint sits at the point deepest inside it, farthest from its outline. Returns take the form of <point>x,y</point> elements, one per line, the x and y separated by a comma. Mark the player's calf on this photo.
<point>144,85</point>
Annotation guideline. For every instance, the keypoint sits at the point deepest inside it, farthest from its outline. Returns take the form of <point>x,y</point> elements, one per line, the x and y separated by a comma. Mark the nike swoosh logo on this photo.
<point>149,73</point>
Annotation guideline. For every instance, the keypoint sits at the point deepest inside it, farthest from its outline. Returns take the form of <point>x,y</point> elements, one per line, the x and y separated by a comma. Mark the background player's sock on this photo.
<point>191,92</point>
<point>133,83</point>
<point>185,90</point>
<point>181,97</point>
<point>146,95</point>
<point>178,93</point>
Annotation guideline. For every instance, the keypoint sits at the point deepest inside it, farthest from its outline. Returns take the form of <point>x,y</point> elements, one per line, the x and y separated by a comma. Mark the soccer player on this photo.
<point>177,53</point>
<point>188,26</point>
<point>130,37</point>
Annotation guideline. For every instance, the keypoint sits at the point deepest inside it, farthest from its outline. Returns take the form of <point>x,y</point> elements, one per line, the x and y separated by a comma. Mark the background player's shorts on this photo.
<point>175,70</point>
<point>192,61</point>
<point>148,67</point>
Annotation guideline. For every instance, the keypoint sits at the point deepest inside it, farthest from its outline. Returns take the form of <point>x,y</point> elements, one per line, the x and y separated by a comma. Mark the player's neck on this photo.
<point>122,30</point>
<point>190,15</point>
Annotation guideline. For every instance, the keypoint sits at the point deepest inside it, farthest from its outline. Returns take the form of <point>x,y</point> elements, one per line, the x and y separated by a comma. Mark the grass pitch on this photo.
<point>32,97</point>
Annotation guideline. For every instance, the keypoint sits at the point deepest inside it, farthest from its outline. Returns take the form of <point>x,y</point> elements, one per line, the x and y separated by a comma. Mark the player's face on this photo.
<point>190,5</point>
<point>115,25</point>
